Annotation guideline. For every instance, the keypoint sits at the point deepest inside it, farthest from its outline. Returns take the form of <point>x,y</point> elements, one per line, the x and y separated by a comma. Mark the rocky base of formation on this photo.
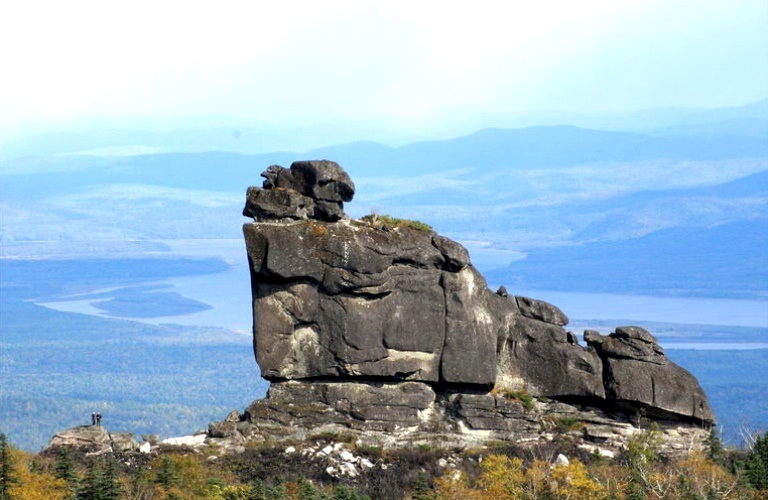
<point>396,415</point>
<point>400,416</point>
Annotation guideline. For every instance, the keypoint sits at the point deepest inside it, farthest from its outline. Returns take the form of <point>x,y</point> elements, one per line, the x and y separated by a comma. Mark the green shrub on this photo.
<point>567,424</point>
<point>523,397</point>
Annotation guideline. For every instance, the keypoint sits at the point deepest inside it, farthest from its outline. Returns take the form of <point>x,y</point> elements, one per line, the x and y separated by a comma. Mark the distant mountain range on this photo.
<point>136,136</point>
<point>684,206</point>
<point>533,147</point>
<point>541,147</point>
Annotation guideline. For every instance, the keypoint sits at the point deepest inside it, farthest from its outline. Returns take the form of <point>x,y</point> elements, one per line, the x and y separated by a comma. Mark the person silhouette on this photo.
<point>93,418</point>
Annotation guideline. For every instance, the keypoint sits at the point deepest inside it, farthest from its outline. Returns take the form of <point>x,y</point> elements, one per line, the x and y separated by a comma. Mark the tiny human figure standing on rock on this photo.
<point>98,419</point>
<point>93,418</point>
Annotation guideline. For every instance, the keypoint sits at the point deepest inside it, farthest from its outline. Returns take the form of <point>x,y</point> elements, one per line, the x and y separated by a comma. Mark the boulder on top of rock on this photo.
<point>628,342</point>
<point>322,180</point>
<point>308,190</point>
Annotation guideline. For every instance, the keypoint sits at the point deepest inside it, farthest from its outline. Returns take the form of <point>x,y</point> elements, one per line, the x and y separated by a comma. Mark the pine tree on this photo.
<point>714,447</point>
<point>756,465</point>
<point>64,468</point>
<point>89,489</point>
<point>256,491</point>
<point>8,476</point>
<point>343,492</point>
<point>306,490</point>
<point>110,487</point>
<point>102,481</point>
<point>167,477</point>
<point>421,488</point>
<point>139,481</point>
<point>278,490</point>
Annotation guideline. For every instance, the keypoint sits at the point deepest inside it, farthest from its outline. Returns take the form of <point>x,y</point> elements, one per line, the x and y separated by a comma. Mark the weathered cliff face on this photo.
<point>381,325</point>
<point>347,300</point>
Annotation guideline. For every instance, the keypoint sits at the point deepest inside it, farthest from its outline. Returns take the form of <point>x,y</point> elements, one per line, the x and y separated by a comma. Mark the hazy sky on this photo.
<point>300,60</point>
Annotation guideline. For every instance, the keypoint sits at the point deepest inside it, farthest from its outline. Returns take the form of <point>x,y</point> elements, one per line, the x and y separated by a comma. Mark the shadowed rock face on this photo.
<point>342,305</point>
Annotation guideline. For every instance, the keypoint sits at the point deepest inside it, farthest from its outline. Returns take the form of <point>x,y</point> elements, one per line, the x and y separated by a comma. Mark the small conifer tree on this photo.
<point>90,488</point>
<point>64,468</point>
<point>421,488</point>
<point>111,488</point>
<point>8,475</point>
<point>714,446</point>
<point>256,491</point>
<point>102,481</point>
<point>278,491</point>
<point>167,477</point>
<point>756,464</point>
<point>306,490</point>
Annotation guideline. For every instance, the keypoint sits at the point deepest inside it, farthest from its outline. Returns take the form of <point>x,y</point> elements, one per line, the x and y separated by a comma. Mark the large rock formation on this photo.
<point>379,324</point>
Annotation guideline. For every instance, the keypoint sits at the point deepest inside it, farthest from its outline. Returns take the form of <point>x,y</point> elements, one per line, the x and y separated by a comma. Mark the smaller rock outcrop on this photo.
<point>547,361</point>
<point>92,440</point>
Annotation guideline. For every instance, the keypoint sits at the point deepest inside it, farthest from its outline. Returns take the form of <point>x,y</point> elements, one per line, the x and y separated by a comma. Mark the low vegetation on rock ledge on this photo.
<point>387,223</point>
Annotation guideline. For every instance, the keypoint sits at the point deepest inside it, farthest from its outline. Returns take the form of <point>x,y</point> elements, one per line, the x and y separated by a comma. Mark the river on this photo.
<point>228,295</point>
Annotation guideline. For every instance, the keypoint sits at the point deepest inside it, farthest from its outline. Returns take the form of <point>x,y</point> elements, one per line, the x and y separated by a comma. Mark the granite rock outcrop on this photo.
<point>389,327</point>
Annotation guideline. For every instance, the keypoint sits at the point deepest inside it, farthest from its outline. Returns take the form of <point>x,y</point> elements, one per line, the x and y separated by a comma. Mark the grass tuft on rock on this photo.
<point>387,222</point>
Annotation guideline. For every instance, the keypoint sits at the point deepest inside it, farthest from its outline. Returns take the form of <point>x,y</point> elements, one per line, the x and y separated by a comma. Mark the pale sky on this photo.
<point>302,60</point>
